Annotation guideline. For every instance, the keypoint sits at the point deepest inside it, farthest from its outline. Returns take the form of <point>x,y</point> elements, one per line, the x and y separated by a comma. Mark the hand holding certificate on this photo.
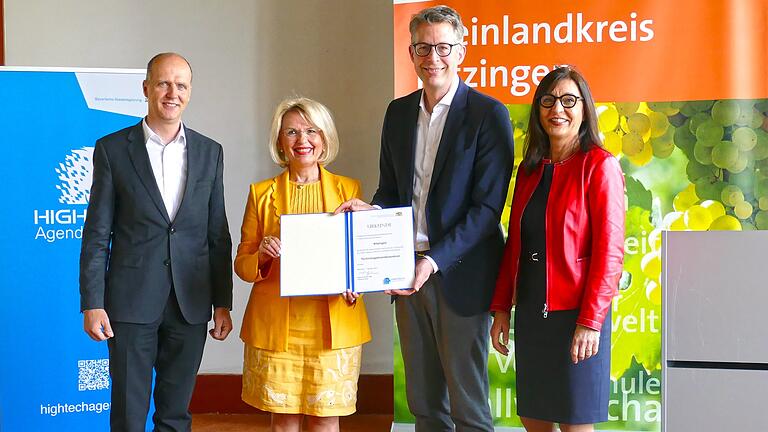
<point>357,251</point>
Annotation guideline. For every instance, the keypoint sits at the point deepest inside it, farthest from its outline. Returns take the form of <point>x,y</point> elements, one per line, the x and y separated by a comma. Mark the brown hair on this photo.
<point>537,141</point>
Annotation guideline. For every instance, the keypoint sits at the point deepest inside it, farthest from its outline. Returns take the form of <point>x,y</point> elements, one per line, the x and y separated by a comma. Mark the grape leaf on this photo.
<point>633,412</point>
<point>637,194</point>
<point>636,319</point>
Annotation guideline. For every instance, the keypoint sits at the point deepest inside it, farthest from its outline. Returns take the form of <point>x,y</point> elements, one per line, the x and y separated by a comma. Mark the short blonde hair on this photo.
<point>317,115</point>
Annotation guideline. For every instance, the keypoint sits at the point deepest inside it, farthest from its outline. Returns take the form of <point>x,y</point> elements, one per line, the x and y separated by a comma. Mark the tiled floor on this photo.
<point>260,423</point>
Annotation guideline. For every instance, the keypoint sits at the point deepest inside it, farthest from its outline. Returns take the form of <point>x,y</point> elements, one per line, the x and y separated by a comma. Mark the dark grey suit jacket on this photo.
<point>132,253</point>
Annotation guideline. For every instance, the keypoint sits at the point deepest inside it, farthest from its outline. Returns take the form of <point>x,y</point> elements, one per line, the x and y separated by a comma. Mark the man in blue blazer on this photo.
<point>447,150</point>
<point>156,255</point>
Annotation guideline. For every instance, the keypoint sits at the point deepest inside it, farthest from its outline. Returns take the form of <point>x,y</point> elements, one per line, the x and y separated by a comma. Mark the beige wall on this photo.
<point>246,56</point>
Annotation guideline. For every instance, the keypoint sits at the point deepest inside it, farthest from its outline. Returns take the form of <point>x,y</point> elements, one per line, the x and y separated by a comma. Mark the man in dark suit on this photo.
<point>446,150</point>
<point>156,254</point>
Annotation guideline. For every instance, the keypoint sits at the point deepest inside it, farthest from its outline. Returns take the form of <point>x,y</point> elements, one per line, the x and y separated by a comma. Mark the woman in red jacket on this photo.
<point>562,261</point>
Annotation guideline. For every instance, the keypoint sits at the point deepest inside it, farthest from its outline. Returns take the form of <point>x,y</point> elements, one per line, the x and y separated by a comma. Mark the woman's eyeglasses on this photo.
<point>567,100</point>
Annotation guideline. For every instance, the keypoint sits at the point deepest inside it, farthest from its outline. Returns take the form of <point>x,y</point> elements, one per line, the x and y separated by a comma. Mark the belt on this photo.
<point>534,256</point>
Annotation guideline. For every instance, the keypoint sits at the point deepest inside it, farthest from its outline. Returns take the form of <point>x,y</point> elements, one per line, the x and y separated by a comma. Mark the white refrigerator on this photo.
<point>715,331</point>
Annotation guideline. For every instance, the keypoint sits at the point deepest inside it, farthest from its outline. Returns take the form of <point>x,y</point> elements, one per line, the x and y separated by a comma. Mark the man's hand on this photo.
<point>96,324</point>
<point>586,342</point>
<point>354,204</point>
<point>222,323</point>
<point>422,272</point>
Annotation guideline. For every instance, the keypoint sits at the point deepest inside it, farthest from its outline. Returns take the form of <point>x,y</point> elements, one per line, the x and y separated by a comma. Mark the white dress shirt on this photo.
<point>169,164</point>
<point>429,131</point>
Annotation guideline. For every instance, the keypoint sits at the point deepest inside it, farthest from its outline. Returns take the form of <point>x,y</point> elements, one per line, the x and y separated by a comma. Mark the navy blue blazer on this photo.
<point>132,252</point>
<point>469,185</point>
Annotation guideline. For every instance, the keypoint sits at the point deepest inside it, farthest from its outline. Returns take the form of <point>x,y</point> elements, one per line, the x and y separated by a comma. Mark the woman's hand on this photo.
<point>585,344</point>
<point>350,297</point>
<point>500,332</point>
<point>270,247</point>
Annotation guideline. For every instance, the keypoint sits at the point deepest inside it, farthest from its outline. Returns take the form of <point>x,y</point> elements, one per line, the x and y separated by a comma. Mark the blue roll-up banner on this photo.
<point>53,377</point>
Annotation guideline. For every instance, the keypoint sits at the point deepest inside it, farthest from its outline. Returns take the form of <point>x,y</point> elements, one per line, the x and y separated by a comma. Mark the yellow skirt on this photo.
<point>308,378</point>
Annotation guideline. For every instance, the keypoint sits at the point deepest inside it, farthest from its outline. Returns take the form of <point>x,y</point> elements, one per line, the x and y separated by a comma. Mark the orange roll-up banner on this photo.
<point>682,98</point>
<point>629,51</point>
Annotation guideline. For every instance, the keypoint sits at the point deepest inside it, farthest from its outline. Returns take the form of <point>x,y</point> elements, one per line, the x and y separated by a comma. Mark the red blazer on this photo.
<point>584,236</point>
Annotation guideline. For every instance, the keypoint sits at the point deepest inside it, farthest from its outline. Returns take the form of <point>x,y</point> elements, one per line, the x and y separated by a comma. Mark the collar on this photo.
<point>333,192</point>
<point>149,134</point>
<point>446,100</point>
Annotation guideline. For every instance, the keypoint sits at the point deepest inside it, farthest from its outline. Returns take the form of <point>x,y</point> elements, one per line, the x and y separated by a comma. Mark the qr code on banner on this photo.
<point>93,374</point>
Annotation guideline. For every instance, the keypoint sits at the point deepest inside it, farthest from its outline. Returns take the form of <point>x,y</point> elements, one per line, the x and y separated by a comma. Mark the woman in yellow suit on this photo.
<point>302,354</point>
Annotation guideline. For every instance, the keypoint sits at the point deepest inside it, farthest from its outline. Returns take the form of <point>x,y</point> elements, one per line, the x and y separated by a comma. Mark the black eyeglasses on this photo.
<point>442,49</point>
<point>567,100</point>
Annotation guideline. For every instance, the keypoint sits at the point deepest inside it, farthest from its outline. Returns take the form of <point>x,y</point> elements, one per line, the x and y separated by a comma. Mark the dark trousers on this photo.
<point>446,362</point>
<point>170,346</point>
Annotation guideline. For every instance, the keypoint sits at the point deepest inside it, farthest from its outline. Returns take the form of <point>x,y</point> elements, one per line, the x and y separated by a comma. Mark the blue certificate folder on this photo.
<point>361,251</point>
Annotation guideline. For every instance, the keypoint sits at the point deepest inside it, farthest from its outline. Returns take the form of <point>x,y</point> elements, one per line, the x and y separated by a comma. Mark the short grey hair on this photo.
<point>437,15</point>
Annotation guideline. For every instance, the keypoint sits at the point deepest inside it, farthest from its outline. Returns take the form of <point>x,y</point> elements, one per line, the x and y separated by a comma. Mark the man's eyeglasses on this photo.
<point>567,100</point>
<point>442,49</point>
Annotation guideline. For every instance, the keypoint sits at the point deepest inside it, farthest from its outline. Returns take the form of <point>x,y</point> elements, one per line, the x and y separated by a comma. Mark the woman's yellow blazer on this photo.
<point>265,324</point>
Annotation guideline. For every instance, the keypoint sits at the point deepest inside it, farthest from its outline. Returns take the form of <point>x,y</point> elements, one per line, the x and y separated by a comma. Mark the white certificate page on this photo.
<point>382,249</point>
<point>313,257</point>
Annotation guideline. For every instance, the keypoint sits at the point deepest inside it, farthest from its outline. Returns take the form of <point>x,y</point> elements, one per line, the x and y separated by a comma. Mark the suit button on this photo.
<point>167,262</point>
<point>172,230</point>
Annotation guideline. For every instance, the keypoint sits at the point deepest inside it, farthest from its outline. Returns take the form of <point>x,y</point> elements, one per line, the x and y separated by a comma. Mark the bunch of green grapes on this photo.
<point>693,213</point>
<point>726,143</point>
<point>637,131</point>
<point>650,265</point>
<point>645,264</point>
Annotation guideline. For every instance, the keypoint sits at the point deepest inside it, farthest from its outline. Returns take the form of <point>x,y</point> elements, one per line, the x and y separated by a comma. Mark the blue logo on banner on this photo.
<point>52,376</point>
<point>75,174</point>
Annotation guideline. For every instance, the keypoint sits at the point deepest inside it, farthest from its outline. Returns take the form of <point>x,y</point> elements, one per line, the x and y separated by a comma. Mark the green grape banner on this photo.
<point>682,102</point>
